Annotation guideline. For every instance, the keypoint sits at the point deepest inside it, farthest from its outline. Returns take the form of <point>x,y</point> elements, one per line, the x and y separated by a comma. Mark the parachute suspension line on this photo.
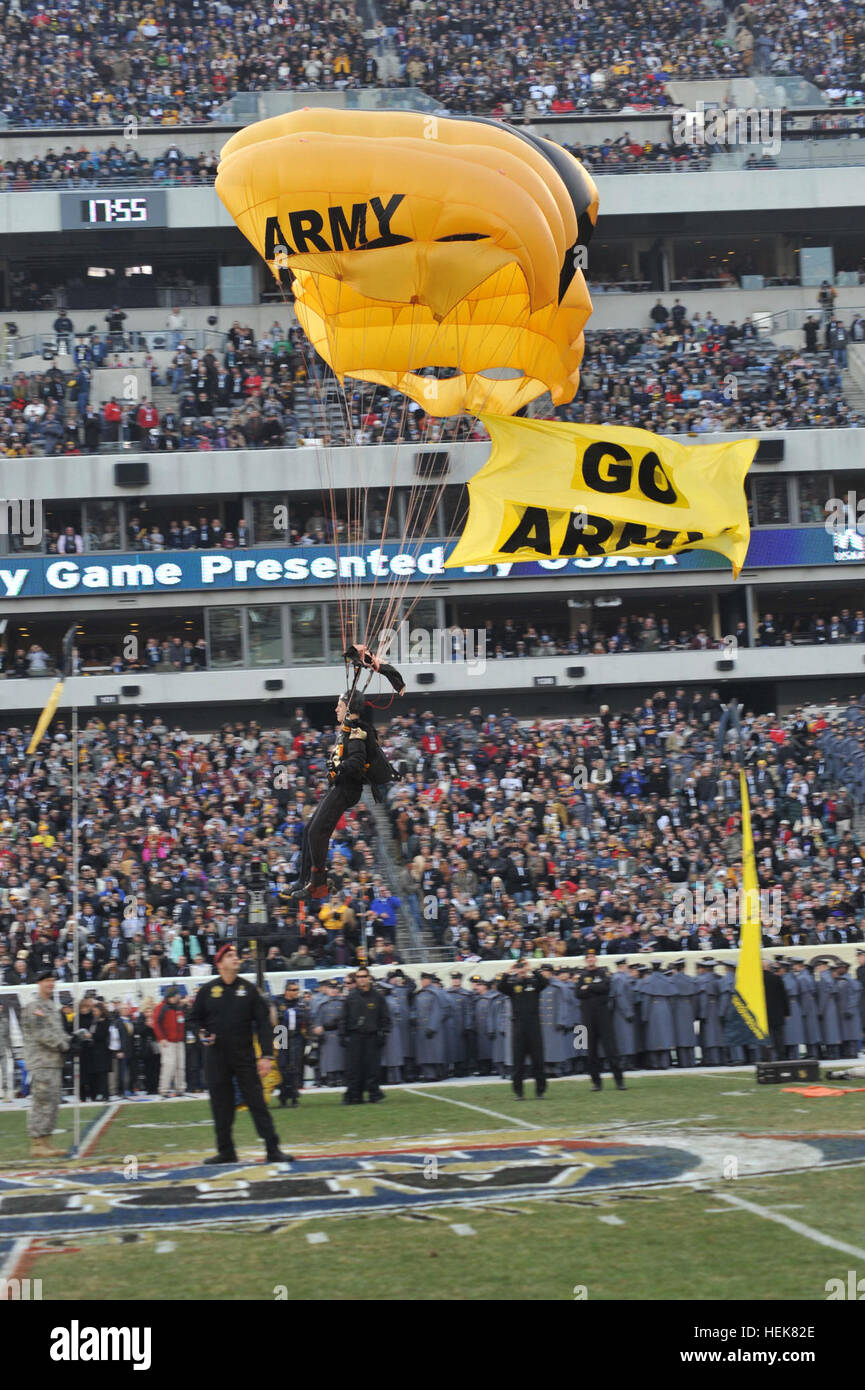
<point>315,378</point>
<point>347,601</point>
<point>423,506</point>
<point>419,591</point>
<point>381,619</point>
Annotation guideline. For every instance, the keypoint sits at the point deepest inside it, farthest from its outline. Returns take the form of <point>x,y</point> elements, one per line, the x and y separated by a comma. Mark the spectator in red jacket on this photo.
<point>169,1025</point>
<point>147,417</point>
<point>112,415</point>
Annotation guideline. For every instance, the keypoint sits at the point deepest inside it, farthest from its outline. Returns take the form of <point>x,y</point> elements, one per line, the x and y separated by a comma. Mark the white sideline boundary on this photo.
<point>14,1257</point>
<point>798,1227</point>
<point>432,1094</point>
<point>95,1130</point>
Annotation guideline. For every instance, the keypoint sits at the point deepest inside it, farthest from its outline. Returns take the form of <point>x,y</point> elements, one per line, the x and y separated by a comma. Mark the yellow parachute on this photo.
<point>423,243</point>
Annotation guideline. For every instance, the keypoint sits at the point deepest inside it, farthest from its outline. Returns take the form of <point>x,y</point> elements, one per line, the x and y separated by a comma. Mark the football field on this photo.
<point>686,1186</point>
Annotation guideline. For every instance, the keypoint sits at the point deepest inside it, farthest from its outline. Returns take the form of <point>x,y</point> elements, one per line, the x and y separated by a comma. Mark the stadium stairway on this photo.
<point>414,941</point>
<point>163,398</point>
<point>854,395</point>
<point>853,376</point>
<point>319,409</point>
<point>388,62</point>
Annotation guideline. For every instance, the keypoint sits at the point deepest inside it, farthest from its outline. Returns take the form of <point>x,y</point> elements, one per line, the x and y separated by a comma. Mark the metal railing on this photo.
<point>786,320</point>
<point>102,179</point>
<point>133,340</point>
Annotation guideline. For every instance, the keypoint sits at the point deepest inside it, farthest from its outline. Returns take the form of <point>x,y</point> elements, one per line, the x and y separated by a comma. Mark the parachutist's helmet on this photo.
<point>358,706</point>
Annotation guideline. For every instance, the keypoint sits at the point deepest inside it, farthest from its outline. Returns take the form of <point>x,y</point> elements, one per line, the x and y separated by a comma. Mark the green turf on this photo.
<point>696,1102</point>
<point>668,1247</point>
<point>569,1104</point>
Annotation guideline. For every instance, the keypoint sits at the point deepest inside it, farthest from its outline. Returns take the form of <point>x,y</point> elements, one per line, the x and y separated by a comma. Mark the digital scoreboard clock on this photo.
<point>113,210</point>
<point>108,208</point>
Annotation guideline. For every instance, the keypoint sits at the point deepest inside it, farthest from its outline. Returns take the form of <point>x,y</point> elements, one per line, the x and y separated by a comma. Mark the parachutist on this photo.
<point>356,762</point>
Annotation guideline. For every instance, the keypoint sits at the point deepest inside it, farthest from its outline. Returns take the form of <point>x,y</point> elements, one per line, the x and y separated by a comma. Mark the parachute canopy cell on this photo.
<point>441,256</point>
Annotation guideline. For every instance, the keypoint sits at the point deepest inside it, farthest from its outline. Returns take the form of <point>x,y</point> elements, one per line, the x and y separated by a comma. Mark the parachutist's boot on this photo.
<point>317,886</point>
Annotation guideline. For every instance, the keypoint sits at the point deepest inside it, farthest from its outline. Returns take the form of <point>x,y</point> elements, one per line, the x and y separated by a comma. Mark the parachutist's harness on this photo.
<point>362,659</point>
<point>357,754</point>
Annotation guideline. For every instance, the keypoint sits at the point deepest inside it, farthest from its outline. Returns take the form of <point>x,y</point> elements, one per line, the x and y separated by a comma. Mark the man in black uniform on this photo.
<point>226,1011</point>
<point>593,992</point>
<point>523,988</point>
<point>356,761</point>
<point>363,1027</point>
<point>294,1020</point>
<point>777,1009</point>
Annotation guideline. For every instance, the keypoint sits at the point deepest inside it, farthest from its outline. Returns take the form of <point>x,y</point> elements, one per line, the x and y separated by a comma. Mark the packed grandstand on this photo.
<point>64,66</point>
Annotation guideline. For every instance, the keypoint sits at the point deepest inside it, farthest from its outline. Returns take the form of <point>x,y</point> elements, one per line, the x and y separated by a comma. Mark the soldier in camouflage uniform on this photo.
<point>45,1045</point>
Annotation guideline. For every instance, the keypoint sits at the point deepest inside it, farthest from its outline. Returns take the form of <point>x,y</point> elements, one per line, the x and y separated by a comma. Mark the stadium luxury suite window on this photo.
<point>225,636</point>
<point>102,525</point>
<point>307,634</point>
<point>267,512</point>
<point>813,492</point>
<point>264,635</point>
<point>771,501</point>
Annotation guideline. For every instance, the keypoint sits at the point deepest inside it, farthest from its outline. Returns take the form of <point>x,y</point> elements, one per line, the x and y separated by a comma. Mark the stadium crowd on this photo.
<point>512,836</point>
<point>540,838</point>
<point>691,372</point>
<point>168,64</point>
<point>123,164</point>
<point>66,64</point>
<point>180,654</point>
<point>111,165</point>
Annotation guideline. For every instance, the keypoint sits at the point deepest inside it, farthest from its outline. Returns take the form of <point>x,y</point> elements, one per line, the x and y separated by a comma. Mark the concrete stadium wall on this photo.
<point>736,191</point>
<point>302,684</point>
<point>237,471</point>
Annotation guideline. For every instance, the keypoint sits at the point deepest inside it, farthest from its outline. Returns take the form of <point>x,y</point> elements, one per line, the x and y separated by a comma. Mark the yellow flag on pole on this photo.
<point>551,490</point>
<point>45,718</point>
<point>750,1023</point>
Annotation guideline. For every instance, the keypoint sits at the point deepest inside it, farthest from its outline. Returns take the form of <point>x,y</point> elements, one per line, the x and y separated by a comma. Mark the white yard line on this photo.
<point>798,1227</point>
<point>466,1105</point>
<point>92,1134</point>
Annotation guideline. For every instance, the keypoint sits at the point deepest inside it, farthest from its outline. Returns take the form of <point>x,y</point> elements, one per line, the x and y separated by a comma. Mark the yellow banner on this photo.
<point>749,997</point>
<point>45,718</point>
<point>553,490</point>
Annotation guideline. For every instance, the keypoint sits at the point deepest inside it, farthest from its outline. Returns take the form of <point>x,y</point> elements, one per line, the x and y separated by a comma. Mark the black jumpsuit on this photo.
<point>355,761</point>
<point>524,994</point>
<point>593,993</point>
<point>230,1013</point>
<point>363,1026</point>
